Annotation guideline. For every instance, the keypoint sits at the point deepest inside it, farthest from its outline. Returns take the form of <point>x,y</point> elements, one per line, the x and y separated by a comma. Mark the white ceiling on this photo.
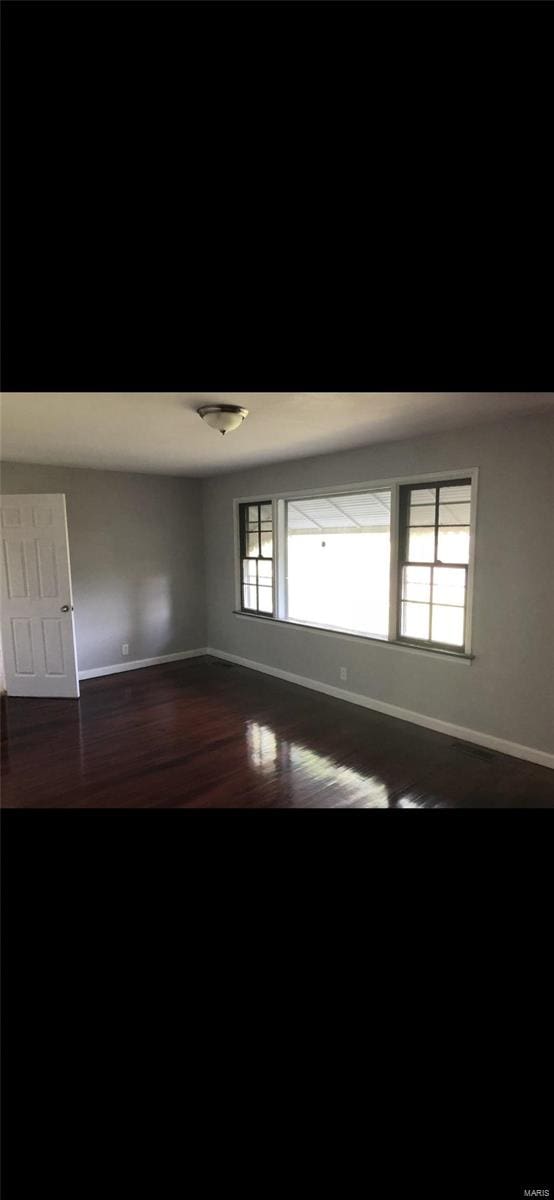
<point>160,432</point>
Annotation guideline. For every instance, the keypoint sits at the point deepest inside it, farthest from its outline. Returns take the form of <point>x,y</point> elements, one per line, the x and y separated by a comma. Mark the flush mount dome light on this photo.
<point>224,417</point>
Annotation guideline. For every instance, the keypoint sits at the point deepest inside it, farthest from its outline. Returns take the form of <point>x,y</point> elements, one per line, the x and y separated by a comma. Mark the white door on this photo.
<point>38,631</point>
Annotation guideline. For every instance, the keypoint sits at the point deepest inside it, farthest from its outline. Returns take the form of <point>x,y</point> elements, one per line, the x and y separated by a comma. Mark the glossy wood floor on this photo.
<point>204,733</point>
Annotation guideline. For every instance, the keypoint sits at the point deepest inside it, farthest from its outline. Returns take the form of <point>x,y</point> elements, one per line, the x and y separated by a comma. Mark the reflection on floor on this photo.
<point>204,733</point>
<point>269,755</point>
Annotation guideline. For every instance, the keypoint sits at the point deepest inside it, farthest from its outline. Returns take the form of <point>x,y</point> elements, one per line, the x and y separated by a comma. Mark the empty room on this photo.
<point>277,600</point>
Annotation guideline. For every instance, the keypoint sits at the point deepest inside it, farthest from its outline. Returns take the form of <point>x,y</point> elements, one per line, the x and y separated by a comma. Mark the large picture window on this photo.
<point>338,562</point>
<point>392,562</point>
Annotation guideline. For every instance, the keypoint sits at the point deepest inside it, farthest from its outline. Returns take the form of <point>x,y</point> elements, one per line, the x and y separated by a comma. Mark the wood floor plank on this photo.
<point>207,734</point>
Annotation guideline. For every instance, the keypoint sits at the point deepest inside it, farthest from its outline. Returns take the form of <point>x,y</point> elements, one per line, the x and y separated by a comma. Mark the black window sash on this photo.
<point>404,561</point>
<point>245,533</point>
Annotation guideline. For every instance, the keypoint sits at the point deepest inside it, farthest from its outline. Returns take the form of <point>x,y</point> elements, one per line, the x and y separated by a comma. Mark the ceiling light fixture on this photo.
<point>224,417</point>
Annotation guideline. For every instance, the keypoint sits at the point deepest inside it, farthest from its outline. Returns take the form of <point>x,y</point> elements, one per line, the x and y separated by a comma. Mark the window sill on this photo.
<point>409,647</point>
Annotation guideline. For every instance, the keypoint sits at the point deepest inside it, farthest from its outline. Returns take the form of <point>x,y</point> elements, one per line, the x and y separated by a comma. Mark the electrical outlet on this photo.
<point>125,648</point>
<point>343,674</point>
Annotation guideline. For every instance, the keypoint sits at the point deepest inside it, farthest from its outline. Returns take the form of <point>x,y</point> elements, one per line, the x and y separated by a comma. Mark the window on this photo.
<point>256,539</point>
<point>338,562</point>
<point>392,562</point>
<point>434,562</point>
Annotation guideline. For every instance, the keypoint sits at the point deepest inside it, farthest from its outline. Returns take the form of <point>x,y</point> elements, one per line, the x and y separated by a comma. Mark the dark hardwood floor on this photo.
<point>204,733</point>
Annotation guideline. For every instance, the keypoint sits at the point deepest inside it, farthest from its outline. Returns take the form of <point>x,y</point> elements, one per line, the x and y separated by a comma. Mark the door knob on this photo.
<point>64,608</point>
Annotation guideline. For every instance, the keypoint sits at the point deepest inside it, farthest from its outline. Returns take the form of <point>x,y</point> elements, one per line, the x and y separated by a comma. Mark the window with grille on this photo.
<point>256,538</point>
<point>393,561</point>
<point>434,543</point>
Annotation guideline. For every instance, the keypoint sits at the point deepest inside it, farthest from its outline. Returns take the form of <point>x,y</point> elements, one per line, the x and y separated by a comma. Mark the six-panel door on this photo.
<point>38,633</point>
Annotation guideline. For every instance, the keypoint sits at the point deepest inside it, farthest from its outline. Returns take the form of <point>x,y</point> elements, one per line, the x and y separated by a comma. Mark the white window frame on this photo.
<point>393,486</point>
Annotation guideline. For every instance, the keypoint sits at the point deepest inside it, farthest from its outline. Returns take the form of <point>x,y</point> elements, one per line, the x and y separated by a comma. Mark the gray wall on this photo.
<point>508,691</point>
<point>136,559</point>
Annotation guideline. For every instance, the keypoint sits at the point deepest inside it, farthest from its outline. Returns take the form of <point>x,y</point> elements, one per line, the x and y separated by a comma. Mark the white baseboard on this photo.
<point>500,745</point>
<point>138,664</point>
